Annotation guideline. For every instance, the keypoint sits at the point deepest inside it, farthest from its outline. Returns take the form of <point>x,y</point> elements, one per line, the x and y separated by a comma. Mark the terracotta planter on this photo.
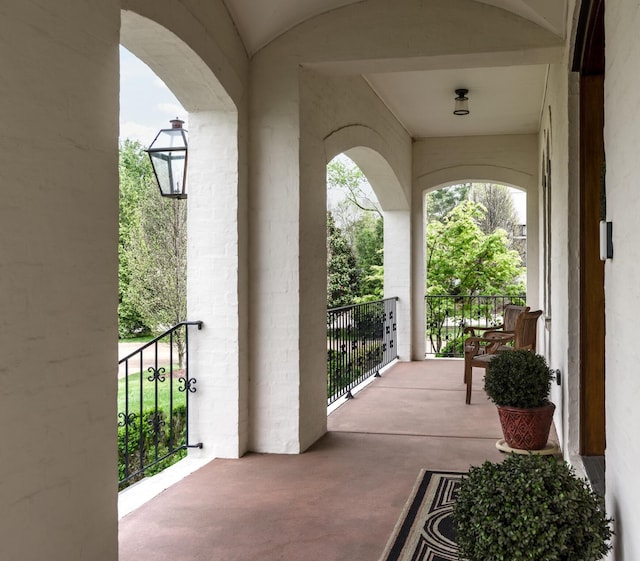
<point>526,429</point>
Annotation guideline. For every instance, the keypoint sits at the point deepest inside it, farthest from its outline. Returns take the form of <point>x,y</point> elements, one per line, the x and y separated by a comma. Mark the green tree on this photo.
<point>343,278</point>
<point>442,201</point>
<point>136,184</point>
<point>369,244</point>
<point>157,260</point>
<point>359,218</point>
<point>464,261</point>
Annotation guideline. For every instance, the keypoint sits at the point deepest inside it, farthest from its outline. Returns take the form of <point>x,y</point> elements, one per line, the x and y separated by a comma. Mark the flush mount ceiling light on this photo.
<point>462,102</point>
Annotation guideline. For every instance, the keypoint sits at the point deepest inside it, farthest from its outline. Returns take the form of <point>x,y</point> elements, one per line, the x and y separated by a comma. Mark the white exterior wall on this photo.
<point>622,273</point>
<point>217,360</point>
<point>345,115</point>
<point>509,159</point>
<point>59,286</point>
<point>274,212</point>
<point>559,338</point>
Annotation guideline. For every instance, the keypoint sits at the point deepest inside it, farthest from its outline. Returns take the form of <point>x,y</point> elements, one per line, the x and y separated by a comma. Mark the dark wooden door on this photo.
<point>592,298</point>
<point>592,320</point>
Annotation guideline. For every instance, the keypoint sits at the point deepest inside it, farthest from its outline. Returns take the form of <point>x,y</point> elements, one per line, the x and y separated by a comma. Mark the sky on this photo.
<point>146,104</point>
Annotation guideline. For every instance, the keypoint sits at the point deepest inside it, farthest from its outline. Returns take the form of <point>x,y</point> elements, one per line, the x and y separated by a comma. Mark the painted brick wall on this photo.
<point>58,284</point>
<point>622,273</point>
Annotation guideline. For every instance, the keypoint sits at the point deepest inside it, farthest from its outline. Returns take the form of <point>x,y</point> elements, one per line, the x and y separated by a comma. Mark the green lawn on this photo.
<point>148,393</point>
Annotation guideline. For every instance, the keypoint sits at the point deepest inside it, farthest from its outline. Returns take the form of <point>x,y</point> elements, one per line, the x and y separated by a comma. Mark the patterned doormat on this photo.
<point>425,530</point>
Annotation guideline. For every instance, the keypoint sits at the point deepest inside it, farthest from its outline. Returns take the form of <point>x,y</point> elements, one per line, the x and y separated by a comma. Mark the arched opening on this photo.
<point>355,218</point>
<point>358,344</point>
<point>365,148</point>
<point>475,243</point>
<point>216,272</point>
<point>152,276</point>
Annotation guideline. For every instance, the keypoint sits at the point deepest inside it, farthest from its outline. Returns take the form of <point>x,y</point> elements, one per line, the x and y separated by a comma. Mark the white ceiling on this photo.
<point>502,100</point>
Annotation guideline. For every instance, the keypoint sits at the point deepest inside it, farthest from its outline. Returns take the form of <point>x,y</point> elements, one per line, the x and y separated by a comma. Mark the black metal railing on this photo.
<point>153,405</point>
<point>448,315</point>
<point>361,339</point>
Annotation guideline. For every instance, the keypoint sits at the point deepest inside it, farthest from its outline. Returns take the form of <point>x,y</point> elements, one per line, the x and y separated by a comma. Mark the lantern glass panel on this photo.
<point>170,170</point>
<point>168,154</point>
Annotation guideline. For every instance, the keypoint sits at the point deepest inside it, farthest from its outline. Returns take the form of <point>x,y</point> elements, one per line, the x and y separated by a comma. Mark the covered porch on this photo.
<point>339,500</point>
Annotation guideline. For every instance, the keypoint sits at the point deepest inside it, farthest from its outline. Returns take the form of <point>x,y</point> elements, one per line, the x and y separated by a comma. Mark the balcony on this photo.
<point>338,501</point>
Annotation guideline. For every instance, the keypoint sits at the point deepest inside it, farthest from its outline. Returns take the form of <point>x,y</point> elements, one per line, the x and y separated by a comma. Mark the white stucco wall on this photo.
<point>59,286</point>
<point>622,273</point>
<point>559,334</point>
<point>509,159</point>
<point>345,115</point>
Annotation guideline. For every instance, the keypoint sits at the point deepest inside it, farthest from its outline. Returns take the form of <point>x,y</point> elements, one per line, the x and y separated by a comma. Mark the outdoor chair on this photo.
<point>522,337</point>
<point>508,325</point>
<point>509,317</point>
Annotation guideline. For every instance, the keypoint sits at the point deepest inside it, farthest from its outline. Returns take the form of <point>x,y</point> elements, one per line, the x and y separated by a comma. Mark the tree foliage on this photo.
<point>343,278</point>
<point>344,176</point>
<point>153,251</point>
<point>157,260</point>
<point>369,244</point>
<point>359,219</point>
<point>442,201</point>
<point>136,184</point>
<point>462,259</point>
<point>500,213</point>
<point>499,209</point>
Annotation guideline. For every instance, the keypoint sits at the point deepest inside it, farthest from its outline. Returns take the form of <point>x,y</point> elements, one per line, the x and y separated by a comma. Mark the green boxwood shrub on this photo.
<point>529,508</point>
<point>135,452</point>
<point>518,379</point>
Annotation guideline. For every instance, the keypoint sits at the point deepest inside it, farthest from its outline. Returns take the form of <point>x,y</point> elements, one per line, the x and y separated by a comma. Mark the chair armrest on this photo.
<point>503,335</point>
<point>490,343</point>
<point>472,329</point>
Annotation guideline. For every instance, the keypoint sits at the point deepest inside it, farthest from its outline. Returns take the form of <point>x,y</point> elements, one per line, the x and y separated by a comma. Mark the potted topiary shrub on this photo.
<point>527,508</point>
<point>518,382</point>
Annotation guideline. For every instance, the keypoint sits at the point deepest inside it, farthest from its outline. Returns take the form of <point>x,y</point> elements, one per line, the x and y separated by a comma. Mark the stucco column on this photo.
<point>397,274</point>
<point>59,281</point>
<point>219,414</point>
<point>283,231</point>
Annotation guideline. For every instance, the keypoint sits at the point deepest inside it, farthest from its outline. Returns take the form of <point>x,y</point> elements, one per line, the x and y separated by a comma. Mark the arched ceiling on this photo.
<point>505,95</point>
<point>261,21</point>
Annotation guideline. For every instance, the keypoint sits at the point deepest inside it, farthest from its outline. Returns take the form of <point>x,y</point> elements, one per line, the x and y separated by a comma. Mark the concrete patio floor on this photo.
<point>340,500</point>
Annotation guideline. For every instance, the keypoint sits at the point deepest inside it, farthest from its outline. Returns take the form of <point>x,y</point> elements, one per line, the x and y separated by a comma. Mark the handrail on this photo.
<point>448,314</point>
<point>160,337</point>
<point>361,340</point>
<point>153,409</point>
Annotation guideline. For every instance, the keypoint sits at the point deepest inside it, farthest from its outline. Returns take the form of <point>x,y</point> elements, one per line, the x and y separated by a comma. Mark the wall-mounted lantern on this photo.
<point>168,155</point>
